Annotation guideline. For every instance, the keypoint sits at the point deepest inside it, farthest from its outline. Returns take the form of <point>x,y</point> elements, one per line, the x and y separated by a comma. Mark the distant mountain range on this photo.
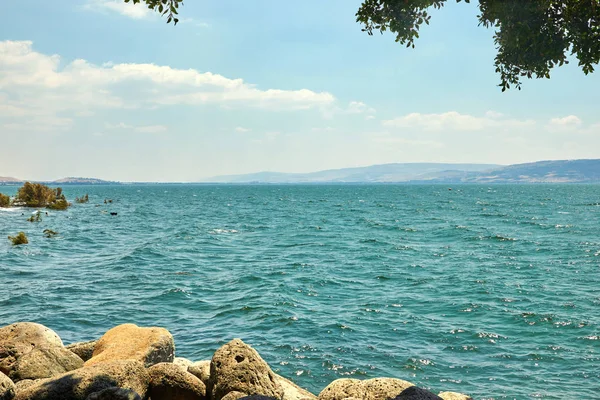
<point>561,171</point>
<point>63,181</point>
<point>565,171</point>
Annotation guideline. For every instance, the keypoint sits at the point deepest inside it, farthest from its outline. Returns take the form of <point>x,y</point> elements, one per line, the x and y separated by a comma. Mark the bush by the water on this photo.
<point>49,233</point>
<point>20,238</point>
<point>82,199</point>
<point>4,200</point>
<point>37,217</point>
<point>38,195</point>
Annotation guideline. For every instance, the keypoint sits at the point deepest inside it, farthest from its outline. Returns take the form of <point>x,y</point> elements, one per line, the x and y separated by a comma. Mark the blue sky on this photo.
<point>99,88</point>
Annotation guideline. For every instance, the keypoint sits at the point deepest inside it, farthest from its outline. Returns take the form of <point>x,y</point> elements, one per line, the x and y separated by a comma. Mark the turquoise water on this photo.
<point>492,291</point>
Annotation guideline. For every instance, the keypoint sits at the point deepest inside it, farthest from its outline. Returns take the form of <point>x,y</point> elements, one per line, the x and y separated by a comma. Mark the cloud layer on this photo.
<point>38,86</point>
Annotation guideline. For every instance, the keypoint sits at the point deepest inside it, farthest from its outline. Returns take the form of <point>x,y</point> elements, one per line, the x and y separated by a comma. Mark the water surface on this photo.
<point>492,291</point>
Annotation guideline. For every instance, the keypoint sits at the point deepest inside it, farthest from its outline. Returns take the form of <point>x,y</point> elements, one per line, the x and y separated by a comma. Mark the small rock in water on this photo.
<point>454,396</point>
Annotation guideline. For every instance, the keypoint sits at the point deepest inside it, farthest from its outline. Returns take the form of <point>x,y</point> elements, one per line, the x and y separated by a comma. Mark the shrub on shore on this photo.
<point>82,199</point>
<point>4,200</point>
<point>37,217</point>
<point>49,233</point>
<point>19,239</point>
<point>39,195</point>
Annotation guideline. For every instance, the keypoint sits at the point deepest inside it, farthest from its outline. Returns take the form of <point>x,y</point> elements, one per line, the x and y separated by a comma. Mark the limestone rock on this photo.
<point>182,362</point>
<point>416,393</point>
<point>454,396</point>
<point>79,384</point>
<point>30,332</point>
<point>258,397</point>
<point>83,349</point>
<point>233,396</point>
<point>24,384</point>
<point>237,367</point>
<point>114,393</point>
<point>201,370</point>
<point>131,342</point>
<point>7,388</point>
<point>371,389</point>
<point>32,351</point>
<point>170,382</point>
<point>291,391</point>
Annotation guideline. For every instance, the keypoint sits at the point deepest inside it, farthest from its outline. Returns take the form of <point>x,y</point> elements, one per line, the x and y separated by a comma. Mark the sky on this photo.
<point>104,89</point>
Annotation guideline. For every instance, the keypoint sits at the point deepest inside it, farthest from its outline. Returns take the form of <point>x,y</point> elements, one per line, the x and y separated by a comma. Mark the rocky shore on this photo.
<point>134,363</point>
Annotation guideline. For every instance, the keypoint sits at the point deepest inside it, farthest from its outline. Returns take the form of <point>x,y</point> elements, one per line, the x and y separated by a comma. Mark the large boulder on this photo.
<point>416,393</point>
<point>182,362</point>
<point>7,388</point>
<point>25,383</point>
<point>33,351</point>
<point>291,391</point>
<point>81,383</point>
<point>170,382</point>
<point>237,367</point>
<point>201,370</point>
<point>370,389</point>
<point>234,396</point>
<point>84,350</point>
<point>114,393</point>
<point>131,342</point>
<point>454,396</point>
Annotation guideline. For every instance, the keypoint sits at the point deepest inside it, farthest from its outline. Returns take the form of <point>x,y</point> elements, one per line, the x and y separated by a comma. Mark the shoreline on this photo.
<point>131,362</point>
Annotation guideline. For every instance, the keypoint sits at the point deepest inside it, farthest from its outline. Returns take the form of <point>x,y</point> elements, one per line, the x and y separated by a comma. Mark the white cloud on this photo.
<point>140,129</point>
<point>151,129</point>
<point>570,121</point>
<point>135,11</point>
<point>493,114</point>
<point>37,85</point>
<point>358,107</point>
<point>454,121</point>
<point>241,129</point>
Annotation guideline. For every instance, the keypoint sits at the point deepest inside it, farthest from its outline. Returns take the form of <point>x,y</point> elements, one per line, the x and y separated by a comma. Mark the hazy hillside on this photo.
<point>536,172</point>
<point>374,173</point>
<point>544,171</point>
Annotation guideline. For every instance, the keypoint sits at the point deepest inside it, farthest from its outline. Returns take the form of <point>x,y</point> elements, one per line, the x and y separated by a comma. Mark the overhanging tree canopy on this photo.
<point>531,36</point>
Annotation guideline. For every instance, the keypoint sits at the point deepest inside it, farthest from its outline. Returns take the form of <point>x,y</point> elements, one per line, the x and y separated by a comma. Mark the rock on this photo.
<point>83,349</point>
<point>30,332</point>
<point>233,396</point>
<point>131,342</point>
<point>170,382</point>
<point>32,351</point>
<point>24,384</point>
<point>454,396</point>
<point>79,384</point>
<point>7,388</point>
<point>237,367</point>
<point>182,362</point>
<point>257,397</point>
<point>201,370</point>
<point>371,389</point>
<point>291,391</point>
<point>416,393</point>
<point>114,393</point>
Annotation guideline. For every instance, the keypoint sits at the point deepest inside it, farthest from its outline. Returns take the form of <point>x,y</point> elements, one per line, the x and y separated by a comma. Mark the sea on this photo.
<point>488,290</point>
